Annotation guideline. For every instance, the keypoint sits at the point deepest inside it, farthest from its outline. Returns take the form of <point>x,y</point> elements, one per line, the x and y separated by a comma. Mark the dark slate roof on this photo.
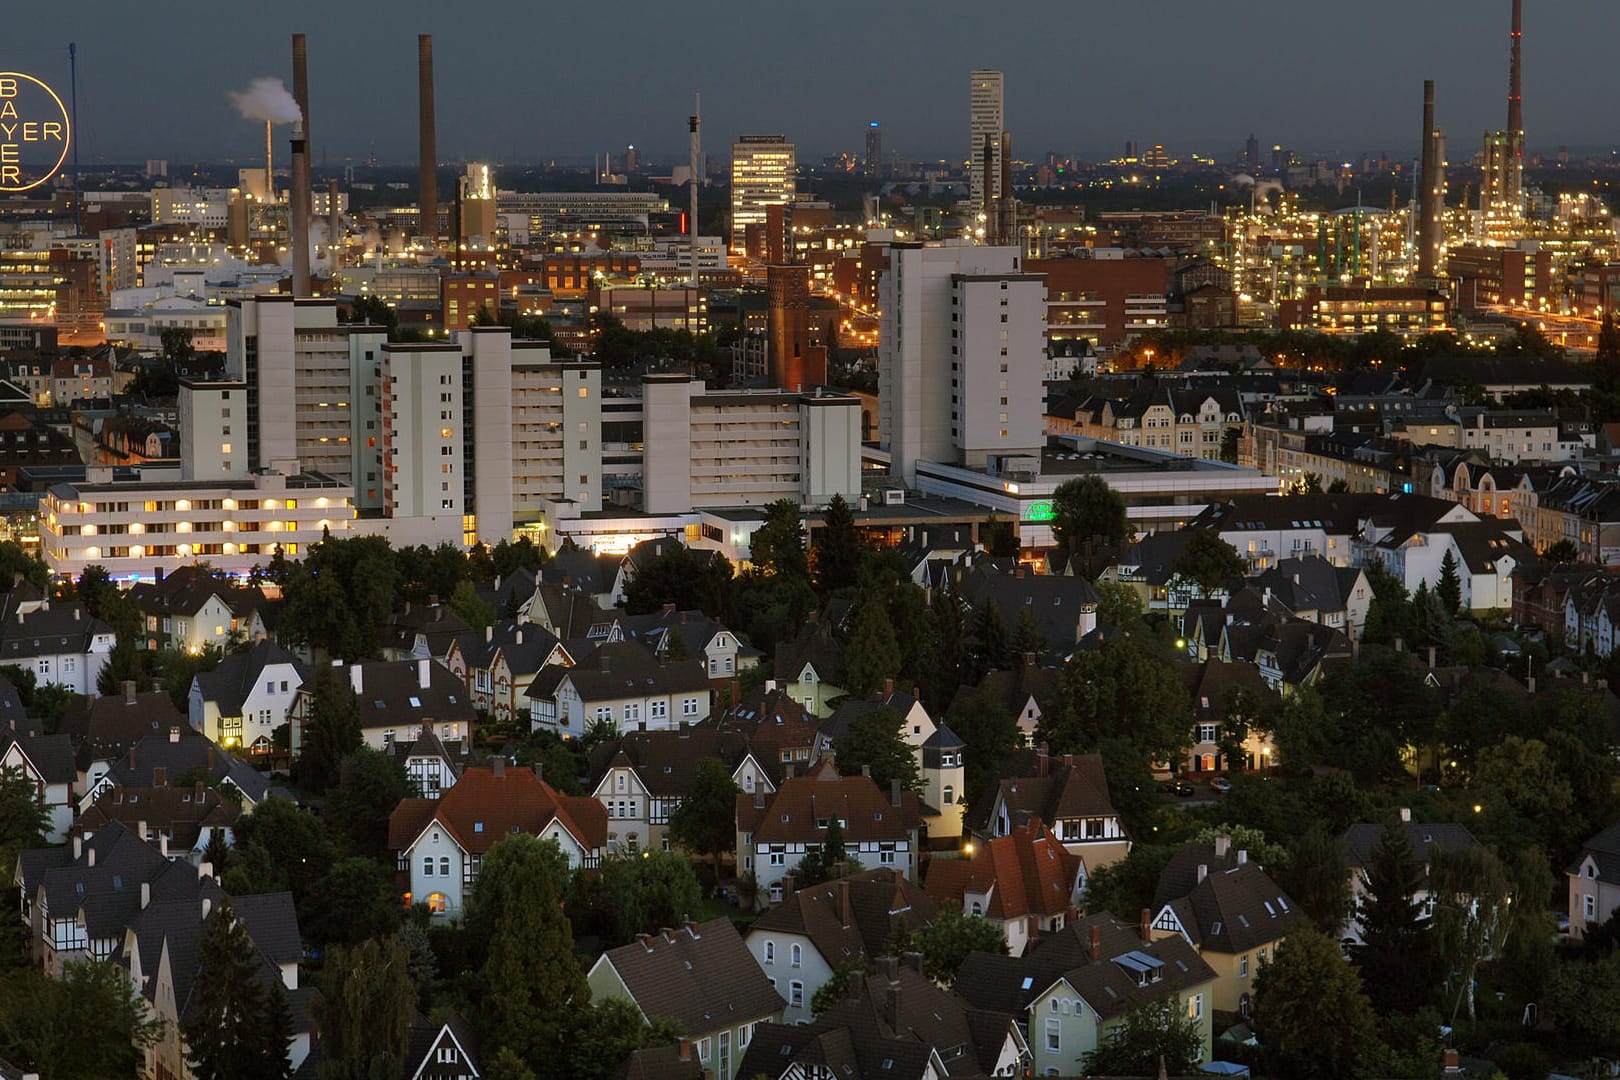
<point>1152,559</point>
<point>437,624</point>
<point>1108,984</point>
<point>424,1038</point>
<point>623,669</point>
<point>1309,584</point>
<point>661,1063</point>
<point>793,814</point>
<point>1013,689</point>
<point>694,628</point>
<point>701,976</point>
<point>526,646</point>
<point>230,683</point>
<point>60,627</point>
<point>1604,848</point>
<point>852,917</point>
<point>391,693</point>
<point>52,755</point>
<point>584,570</point>
<point>187,589</point>
<point>1074,786</point>
<point>1359,840</point>
<point>1235,908</point>
<point>836,726</point>
<point>180,752</point>
<point>105,728</point>
<point>13,717</point>
<point>182,813</point>
<point>667,761</point>
<point>816,645</point>
<point>1055,600</point>
<point>273,924</point>
<point>105,880</point>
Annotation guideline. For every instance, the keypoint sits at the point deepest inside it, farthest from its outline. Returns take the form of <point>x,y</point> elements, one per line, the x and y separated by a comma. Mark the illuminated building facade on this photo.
<point>764,173</point>
<point>986,121</point>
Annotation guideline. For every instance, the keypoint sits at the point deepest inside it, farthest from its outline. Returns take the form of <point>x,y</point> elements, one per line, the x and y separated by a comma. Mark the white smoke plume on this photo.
<point>267,99</point>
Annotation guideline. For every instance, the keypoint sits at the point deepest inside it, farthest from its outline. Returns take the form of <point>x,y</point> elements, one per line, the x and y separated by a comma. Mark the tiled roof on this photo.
<point>1234,908</point>
<point>1359,840</point>
<point>701,976</point>
<point>159,760</point>
<point>489,803</point>
<point>793,813</point>
<point>851,917</point>
<point>816,646</point>
<point>1026,872</point>
<point>1604,848</point>
<point>182,813</point>
<point>230,683</point>
<point>666,761</point>
<point>393,693</point>
<point>1074,786</point>
<point>51,755</point>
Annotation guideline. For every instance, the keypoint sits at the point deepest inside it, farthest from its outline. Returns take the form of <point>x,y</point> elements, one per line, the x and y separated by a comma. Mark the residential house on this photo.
<point>724,655</point>
<point>1223,904</point>
<point>1583,510</point>
<point>937,749</point>
<point>1485,552</point>
<point>103,729</point>
<point>623,684</point>
<point>181,757</point>
<point>642,777</point>
<point>700,976</point>
<point>501,668</point>
<point>1026,882</point>
<point>396,697</point>
<point>776,726</point>
<point>1257,628</point>
<point>192,607</point>
<point>775,831</point>
<point>1314,589</point>
<point>602,577</point>
<point>817,932</point>
<point>1070,795</point>
<point>443,1050</point>
<point>1073,987</point>
<point>247,696</point>
<point>1026,692</point>
<point>432,766</point>
<point>1427,839</point>
<point>186,818</point>
<point>47,762</point>
<point>667,1062</point>
<point>1148,566</point>
<point>1213,686</point>
<point>58,640</point>
<point>424,632</point>
<point>1265,529</point>
<point>811,666</point>
<point>440,843</point>
<point>894,1023</point>
<point>1594,881</point>
<point>1063,606</point>
<point>1186,420</point>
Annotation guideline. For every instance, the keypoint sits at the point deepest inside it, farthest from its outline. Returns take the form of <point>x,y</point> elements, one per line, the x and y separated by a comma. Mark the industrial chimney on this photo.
<point>1431,194</point>
<point>428,152</point>
<point>334,227</point>
<point>299,206</point>
<point>301,81</point>
<point>1515,163</point>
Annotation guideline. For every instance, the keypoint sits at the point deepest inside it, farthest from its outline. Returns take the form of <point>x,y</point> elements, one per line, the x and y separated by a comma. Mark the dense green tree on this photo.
<point>990,735</point>
<point>509,556</point>
<point>534,983</point>
<point>1244,709</point>
<point>1310,1014</point>
<point>1397,955</point>
<point>873,653</point>
<point>876,739</point>
<point>559,760</point>
<point>836,988</point>
<point>951,937</point>
<point>278,846</point>
<point>1526,798</point>
<point>999,536</point>
<point>16,560</point>
<point>1449,590</point>
<point>989,648</point>
<point>370,784</point>
<point>1208,561</point>
<point>333,731</point>
<point>838,548</point>
<point>602,1034</point>
<point>650,891</point>
<point>1480,717</point>
<point>1381,704</point>
<point>1026,639</point>
<point>354,900</point>
<point>1308,484</point>
<point>1389,615</point>
<point>341,595</point>
<point>1152,1035</point>
<point>1583,1002</point>
<point>87,1024</point>
<point>95,588</point>
<point>495,890</point>
<point>365,1016</point>
<point>1125,887</point>
<point>1480,902</point>
<point>777,546</point>
<point>692,581</point>
<point>1604,396</point>
<point>945,662</point>
<point>704,822</point>
<point>24,819</point>
<point>1562,553</point>
<point>1118,606</point>
<point>241,1027</point>
<point>473,609</point>
<point>770,608</point>
<point>1086,510</point>
<point>1317,876</point>
<point>1126,688</point>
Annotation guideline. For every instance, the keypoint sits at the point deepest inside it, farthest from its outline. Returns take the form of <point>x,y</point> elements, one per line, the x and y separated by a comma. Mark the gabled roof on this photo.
<point>1359,840</point>
<point>660,1063</point>
<point>694,628</point>
<point>404,693</point>
<point>1108,980</point>
<point>1234,907</point>
<point>701,976</point>
<point>182,813</point>
<point>437,624</point>
<point>622,669</point>
<point>425,1036</point>
<point>51,755</point>
<point>666,761</point>
<point>187,589</point>
<point>104,728</point>
<point>1309,584</point>
<point>794,813</point>
<point>1026,872</point>
<point>1152,559</point>
<point>1055,600</point>
<point>851,917</point>
<point>491,802</point>
<point>1072,786</point>
<point>836,726</point>
<point>1604,850</point>
<point>1013,689</point>
<point>230,683</point>
<point>160,760</point>
<point>525,647</point>
<point>56,627</point>
<point>772,722</point>
<point>816,646</point>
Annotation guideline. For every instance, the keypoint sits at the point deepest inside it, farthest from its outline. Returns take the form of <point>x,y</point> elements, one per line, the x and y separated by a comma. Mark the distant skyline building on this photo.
<point>874,148</point>
<point>763,174</point>
<point>986,121</point>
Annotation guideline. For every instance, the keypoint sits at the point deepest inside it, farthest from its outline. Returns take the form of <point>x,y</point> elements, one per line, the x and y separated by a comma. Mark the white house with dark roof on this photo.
<point>642,777</point>
<point>163,760</point>
<point>395,697</point>
<point>623,684</point>
<point>1594,881</point>
<point>1426,838</point>
<point>47,761</point>
<point>59,641</point>
<point>241,702</point>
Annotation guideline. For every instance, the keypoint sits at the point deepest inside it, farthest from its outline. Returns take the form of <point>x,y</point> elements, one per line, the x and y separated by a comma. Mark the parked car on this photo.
<point>1221,784</point>
<point>1179,788</point>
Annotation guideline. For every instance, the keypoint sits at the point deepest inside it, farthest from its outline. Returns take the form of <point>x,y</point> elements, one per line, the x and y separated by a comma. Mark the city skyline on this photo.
<point>1076,82</point>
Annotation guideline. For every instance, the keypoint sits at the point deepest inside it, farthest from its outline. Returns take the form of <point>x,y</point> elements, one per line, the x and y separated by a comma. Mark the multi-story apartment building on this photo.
<point>1188,422</point>
<point>763,174</point>
<point>1102,296</point>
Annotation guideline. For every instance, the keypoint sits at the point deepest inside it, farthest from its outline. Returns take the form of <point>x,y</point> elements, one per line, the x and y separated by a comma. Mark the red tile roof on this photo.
<point>792,814</point>
<point>1026,872</point>
<point>483,807</point>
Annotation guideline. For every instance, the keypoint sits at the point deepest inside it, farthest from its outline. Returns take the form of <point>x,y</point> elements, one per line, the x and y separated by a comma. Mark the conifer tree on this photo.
<point>241,1025</point>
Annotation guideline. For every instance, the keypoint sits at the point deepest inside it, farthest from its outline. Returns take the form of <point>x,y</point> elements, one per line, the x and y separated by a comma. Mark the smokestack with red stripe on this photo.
<point>429,151</point>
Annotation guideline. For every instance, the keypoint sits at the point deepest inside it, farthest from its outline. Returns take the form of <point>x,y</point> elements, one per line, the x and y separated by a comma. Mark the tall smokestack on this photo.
<point>428,152</point>
<point>1515,162</point>
<point>1005,214</point>
<point>269,163</point>
<point>1430,194</point>
<point>334,226</point>
<point>693,123</point>
<point>300,209</point>
<point>301,79</point>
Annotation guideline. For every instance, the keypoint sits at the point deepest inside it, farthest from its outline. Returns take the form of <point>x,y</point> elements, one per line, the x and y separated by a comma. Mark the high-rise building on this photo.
<point>986,121</point>
<point>763,174</point>
<point>1251,152</point>
<point>874,148</point>
<point>963,334</point>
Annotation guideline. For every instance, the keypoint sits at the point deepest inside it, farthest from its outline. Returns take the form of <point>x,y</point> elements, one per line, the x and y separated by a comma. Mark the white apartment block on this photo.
<point>422,423</point>
<point>986,119</point>
<point>130,527</point>
<point>962,356</point>
<point>733,448</point>
<point>763,174</point>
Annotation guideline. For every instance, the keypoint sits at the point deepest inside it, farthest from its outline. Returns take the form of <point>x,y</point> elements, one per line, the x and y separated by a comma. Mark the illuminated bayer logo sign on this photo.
<point>34,132</point>
<point>1039,511</point>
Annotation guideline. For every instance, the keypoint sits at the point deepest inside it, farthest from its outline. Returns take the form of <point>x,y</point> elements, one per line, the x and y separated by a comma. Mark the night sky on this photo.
<point>530,80</point>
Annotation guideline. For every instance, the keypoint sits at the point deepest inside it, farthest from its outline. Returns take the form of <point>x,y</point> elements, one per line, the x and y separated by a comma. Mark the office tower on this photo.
<point>1502,185</point>
<point>1251,152</point>
<point>630,161</point>
<point>1431,199</point>
<point>763,174</point>
<point>963,350</point>
<point>986,120</point>
<point>874,148</point>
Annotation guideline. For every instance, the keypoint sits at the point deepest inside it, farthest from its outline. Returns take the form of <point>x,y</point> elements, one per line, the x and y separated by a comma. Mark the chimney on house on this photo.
<point>759,797</point>
<point>1096,944</point>
<point>356,680</point>
<point>1034,928</point>
<point>888,687</point>
<point>1223,844</point>
<point>160,776</point>
<point>129,691</point>
<point>1431,657</point>
<point>914,961</point>
<point>1144,926</point>
<point>1243,856</point>
<point>520,635</point>
<point>894,792</point>
<point>424,677</point>
<point>1203,872</point>
<point>90,856</point>
<point>841,888</point>
<point>856,984</point>
<point>140,829</point>
<point>497,767</point>
<point>489,633</point>
<point>1041,760</point>
<point>603,660</point>
<point>790,884</point>
<point>174,733</point>
<point>891,1006</point>
<point>866,771</point>
<point>1406,815</point>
